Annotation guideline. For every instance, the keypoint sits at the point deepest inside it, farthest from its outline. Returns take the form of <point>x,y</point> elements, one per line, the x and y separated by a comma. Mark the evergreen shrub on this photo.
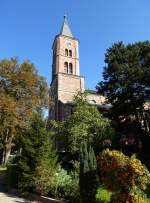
<point>12,176</point>
<point>89,180</point>
<point>38,161</point>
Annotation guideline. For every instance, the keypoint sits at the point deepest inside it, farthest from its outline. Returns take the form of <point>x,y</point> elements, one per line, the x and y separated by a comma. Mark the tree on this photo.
<point>38,162</point>
<point>8,122</point>
<point>89,180</point>
<point>22,91</point>
<point>126,177</point>
<point>86,124</point>
<point>126,86</point>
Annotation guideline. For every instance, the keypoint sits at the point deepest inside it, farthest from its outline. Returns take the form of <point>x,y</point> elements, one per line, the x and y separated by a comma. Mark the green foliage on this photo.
<point>127,86</point>
<point>62,181</point>
<point>75,191</point>
<point>148,191</point>
<point>103,195</point>
<point>66,185</point>
<point>89,180</point>
<point>86,124</point>
<point>125,176</point>
<point>44,176</point>
<point>38,161</point>
<point>12,176</point>
<point>22,92</point>
<point>3,168</point>
<point>12,159</point>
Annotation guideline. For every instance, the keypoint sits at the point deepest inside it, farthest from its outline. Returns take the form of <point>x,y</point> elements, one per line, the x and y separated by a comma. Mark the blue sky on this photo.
<point>28,27</point>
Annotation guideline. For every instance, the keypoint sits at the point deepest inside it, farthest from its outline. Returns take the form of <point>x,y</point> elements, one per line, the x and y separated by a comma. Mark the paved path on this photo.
<point>9,198</point>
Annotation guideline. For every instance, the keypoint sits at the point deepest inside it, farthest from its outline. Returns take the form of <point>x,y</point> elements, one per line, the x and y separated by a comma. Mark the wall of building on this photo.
<point>62,43</point>
<point>96,99</point>
<point>68,86</point>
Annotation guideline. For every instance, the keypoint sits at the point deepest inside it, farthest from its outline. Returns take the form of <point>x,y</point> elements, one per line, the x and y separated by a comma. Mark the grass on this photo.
<point>3,168</point>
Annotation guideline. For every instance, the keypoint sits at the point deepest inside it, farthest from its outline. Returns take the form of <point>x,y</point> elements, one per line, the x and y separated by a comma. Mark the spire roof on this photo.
<point>65,30</point>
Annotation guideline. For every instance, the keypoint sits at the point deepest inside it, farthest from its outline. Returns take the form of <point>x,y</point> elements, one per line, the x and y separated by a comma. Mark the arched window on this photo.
<point>70,53</point>
<point>66,52</point>
<point>66,67</point>
<point>70,68</point>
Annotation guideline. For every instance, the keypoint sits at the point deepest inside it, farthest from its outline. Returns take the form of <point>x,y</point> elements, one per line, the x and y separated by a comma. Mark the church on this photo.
<point>66,80</point>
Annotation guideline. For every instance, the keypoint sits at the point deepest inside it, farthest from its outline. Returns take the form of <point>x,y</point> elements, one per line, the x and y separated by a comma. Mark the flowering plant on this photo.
<point>123,175</point>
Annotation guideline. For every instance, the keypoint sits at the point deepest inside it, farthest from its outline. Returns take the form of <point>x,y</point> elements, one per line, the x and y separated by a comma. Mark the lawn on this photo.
<point>3,168</point>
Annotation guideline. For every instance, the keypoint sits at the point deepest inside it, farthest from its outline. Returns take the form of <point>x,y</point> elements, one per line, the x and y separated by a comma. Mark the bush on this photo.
<point>125,176</point>
<point>11,159</point>
<point>12,176</point>
<point>103,195</point>
<point>66,185</point>
<point>44,177</point>
<point>62,183</point>
<point>89,180</point>
<point>75,191</point>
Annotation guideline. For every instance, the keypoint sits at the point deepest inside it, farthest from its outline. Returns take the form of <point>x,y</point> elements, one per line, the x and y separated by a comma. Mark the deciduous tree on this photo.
<point>86,124</point>
<point>22,91</point>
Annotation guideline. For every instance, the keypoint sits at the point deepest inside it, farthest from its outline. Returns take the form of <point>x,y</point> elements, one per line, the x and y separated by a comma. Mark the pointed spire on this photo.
<point>65,30</point>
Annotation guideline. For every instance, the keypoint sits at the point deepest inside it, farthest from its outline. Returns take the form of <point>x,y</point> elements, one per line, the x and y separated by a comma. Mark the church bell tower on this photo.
<point>66,79</point>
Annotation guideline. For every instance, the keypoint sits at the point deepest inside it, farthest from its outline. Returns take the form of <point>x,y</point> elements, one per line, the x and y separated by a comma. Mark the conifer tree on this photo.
<point>126,86</point>
<point>37,157</point>
<point>89,180</point>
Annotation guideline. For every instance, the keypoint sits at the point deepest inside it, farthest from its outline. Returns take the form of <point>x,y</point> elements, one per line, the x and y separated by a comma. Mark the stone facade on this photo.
<point>94,98</point>
<point>61,44</point>
<point>68,86</point>
<point>66,79</point>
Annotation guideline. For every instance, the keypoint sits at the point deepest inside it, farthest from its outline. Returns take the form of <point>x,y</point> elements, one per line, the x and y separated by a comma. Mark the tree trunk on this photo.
<point>3,158</point>
<point>6,151</point>
<point>6,154</point>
